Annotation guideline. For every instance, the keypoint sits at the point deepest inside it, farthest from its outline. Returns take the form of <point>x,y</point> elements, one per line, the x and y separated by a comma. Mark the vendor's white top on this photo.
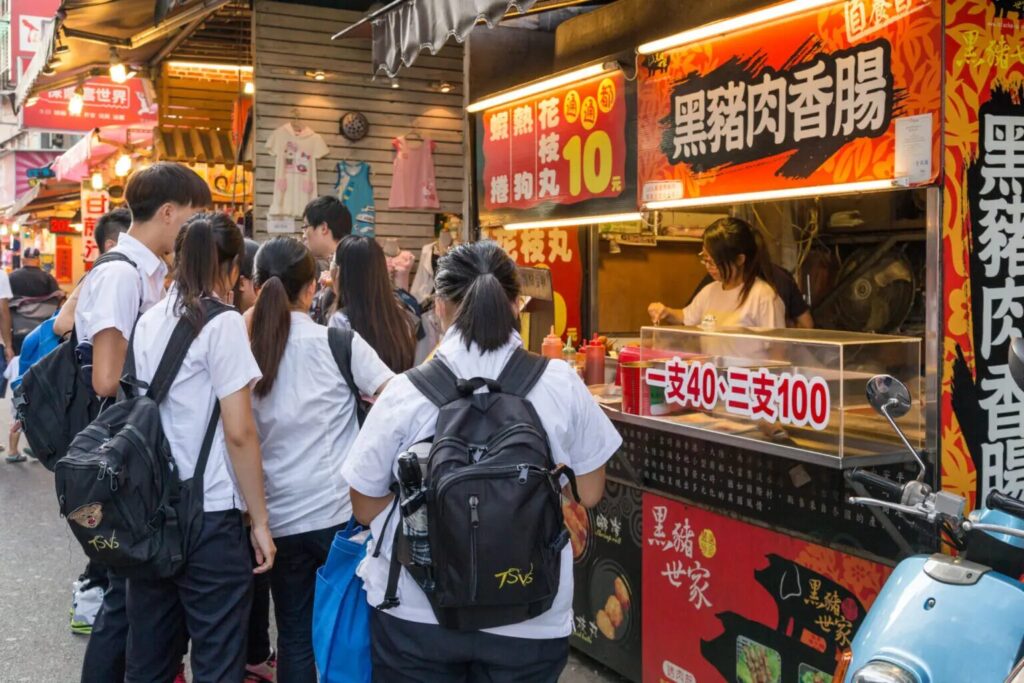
<point>218,364</point>
<point>307,424</point>
<point>5,286</point>
<point>581,436</point>
<point>762,307</point>
<point>112,294</point>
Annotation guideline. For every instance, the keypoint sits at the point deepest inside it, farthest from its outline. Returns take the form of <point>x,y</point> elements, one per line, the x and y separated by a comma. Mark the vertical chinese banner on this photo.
<point>557,250</point>
<point>95,203</point>
<point>63,265</point>
<point>756,605</point>
<point>983,249</point>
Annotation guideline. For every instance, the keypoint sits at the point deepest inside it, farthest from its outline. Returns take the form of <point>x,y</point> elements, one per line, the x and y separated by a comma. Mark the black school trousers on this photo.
<point>410,652</point>
<point>208,602</point>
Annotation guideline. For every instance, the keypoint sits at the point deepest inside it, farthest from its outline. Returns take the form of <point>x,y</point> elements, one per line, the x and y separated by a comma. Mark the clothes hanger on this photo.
<point>296,121</point>
<point>413,135</point>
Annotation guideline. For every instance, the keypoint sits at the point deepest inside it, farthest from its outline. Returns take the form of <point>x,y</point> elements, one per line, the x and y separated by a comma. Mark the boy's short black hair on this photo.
<point>331,211</point>
<point>163,182</point>
<point>110,225</point>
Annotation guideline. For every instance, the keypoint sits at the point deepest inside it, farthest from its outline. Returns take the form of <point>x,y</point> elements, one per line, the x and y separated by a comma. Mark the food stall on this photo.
<point>725,548</point>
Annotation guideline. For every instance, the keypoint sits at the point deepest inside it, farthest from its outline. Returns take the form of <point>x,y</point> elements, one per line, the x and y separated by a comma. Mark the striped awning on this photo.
<point>194,145</point>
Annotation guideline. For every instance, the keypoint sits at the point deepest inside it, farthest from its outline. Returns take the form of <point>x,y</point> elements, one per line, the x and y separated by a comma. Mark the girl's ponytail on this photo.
<point>483,282</point>
<point>271,324</point>
<point>209,244</point>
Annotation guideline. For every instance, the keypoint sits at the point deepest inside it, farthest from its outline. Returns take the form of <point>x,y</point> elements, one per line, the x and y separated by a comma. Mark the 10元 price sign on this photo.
<point>562,147</point>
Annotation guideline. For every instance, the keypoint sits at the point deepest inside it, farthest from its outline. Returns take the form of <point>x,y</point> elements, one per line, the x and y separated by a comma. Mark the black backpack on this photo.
<point>118,486</point>
<point>29,312</point>
<point>55,400</point>
<point>493,501</point>
<point>340,342</point>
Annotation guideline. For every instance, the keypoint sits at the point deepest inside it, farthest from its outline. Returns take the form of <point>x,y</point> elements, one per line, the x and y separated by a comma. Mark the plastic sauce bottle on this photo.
<point>552,346</point>
<point>569,353</point>
<point>414,508</point>
<point>594,369</point>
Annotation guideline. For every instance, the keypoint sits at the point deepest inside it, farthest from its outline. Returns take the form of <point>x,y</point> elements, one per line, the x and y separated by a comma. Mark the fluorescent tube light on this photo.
<point>787,193</point>
<point>582,220</point>
<point>538,87</point>
<point>731,24</point>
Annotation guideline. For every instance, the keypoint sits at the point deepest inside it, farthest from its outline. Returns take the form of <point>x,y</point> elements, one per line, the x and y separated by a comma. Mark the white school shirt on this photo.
<point>5,286</point>
<point>581,436</point>
<point>307,424</point>
<point>110,297</point>
<point>762,307</point>
<point>218,364</point>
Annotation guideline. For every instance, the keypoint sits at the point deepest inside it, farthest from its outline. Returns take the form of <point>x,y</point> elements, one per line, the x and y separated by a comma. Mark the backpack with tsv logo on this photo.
<point>118,486</point>
<point>493,500</point>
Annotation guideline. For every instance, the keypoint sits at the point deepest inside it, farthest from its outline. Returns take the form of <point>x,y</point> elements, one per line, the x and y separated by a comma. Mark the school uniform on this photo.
<point>408,645</point>
<point>210,599</point>
<point>307,424</point>
<point>112,297</point>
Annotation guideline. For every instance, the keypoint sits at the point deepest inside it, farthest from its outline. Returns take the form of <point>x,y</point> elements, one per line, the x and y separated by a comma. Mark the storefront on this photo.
<point>725,548</point>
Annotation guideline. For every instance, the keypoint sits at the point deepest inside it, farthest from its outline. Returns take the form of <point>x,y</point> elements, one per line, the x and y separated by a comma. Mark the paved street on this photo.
<point>38,561</point>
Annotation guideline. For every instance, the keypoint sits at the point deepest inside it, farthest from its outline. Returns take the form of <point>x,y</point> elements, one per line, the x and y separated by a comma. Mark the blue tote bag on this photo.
<point>341,615</point>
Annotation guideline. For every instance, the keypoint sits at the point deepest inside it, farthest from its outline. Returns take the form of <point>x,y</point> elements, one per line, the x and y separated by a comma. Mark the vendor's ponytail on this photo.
<point>481,280</point>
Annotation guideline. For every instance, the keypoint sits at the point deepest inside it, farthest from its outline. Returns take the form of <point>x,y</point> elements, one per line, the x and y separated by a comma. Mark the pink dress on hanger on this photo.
<point>412,181</point>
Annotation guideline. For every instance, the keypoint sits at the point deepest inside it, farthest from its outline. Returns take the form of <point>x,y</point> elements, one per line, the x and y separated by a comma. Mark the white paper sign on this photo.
<point>914,148</point>
<point>662,190</point>
<point>278,225</point>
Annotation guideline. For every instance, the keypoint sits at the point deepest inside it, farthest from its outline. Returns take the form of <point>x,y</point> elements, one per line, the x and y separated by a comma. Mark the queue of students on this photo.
<point>289,464</point>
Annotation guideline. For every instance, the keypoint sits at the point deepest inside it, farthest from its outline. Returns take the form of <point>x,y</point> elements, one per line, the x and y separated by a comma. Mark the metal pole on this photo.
<point>369,17</point>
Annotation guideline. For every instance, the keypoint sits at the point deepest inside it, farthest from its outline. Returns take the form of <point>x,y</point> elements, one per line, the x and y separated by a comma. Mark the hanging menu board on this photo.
<point>813,99</point>
<point>563,153</point>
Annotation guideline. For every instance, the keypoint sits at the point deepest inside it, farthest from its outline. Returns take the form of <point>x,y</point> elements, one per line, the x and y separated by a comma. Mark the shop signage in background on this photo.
<point>26,31</point>
<point>983,249</point>
<point>557,250</point>
<point>756,605</point>
<point>95,203</point>
<point>227,185</point>
<point>63,261</point>
<point>106,104</point>
<point>786,398</point>
<point>564,148</point>
<point>817,104</point>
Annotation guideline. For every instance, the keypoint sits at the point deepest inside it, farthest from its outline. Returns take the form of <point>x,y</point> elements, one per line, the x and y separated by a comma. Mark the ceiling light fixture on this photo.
<point>123,165</point>
<point>582,220</point>
<point>97,181</point>
<point>394,83</point>
<point>249,88</point>
<point>786,193</point>
<point>209,66</point>
<point>76,103</point>
<point>118,71</point>
<point>445,87</point>
<point>318,75</point>
<point>717,28</point>
<point>537,87</point>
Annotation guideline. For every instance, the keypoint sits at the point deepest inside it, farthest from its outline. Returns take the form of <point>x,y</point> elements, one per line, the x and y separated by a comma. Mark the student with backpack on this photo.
<point>367,303</point>
<point>484,592</point>
<point>124,283</point>
<point>305,435</point>
<point>208,599</point>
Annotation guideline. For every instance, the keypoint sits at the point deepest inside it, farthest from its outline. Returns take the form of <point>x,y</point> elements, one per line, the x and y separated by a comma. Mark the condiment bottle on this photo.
<point>552,346</point>
<point>569,353</point>
<point>594,371</point>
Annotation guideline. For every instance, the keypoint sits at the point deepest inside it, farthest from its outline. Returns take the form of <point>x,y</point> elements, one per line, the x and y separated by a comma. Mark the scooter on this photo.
<point>942,619</point>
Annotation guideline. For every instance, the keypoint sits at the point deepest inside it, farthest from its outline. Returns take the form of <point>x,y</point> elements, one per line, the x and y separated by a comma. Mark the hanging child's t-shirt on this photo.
<point>296,153</point>
<point>412,181</point>
<point>356,193</point>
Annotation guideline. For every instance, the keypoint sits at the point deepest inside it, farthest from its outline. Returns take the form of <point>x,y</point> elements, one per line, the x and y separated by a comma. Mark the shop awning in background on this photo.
<point>192,145</point>
<point>45,197</point>
<point>93,149</point>
<point>404,28</point>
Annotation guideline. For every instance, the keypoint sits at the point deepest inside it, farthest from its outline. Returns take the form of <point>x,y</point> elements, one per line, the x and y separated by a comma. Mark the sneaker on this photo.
<point>82,628</point>
<point>180,678</point>
<point>15,457</point>
<point>262,673</point>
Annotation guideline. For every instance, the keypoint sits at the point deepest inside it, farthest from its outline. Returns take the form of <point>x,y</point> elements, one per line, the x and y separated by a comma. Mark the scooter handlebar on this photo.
<point>892,490</point>
<point>1004,503</point>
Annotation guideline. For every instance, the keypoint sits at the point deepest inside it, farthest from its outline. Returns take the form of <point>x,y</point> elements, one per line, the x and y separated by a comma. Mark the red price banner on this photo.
<point>562,147</point>
<point>788,398</point>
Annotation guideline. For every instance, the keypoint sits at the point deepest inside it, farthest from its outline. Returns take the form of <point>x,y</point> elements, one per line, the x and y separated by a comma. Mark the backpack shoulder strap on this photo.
<point>436,381</point>
<point>112,256</point>
<point>340,342</point>
<point>522,372</point>
<point>177,348</point>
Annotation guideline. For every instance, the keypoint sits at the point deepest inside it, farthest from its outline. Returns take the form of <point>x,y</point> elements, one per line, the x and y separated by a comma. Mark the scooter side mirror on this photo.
<point>890,397</point>
<point>1015,359</point>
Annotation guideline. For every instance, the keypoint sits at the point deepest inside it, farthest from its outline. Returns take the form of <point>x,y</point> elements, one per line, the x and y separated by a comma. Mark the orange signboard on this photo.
<point>814,99</point>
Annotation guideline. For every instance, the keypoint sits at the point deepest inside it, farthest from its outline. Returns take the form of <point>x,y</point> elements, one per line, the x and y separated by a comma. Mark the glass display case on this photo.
<point>788,392</point>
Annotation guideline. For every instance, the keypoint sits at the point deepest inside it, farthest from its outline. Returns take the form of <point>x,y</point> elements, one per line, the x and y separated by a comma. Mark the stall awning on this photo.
<point>194,145</point>
<point>93,149</point>
<point>45,197</point>
<point>404,28</point>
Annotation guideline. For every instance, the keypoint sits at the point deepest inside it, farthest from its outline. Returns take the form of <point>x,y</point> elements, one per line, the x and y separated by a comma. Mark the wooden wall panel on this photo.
<point>291,39</point>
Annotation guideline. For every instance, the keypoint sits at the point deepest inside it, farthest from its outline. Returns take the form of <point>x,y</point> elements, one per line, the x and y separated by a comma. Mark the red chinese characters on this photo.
<point>561,147</point>
<point>788,398</point>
